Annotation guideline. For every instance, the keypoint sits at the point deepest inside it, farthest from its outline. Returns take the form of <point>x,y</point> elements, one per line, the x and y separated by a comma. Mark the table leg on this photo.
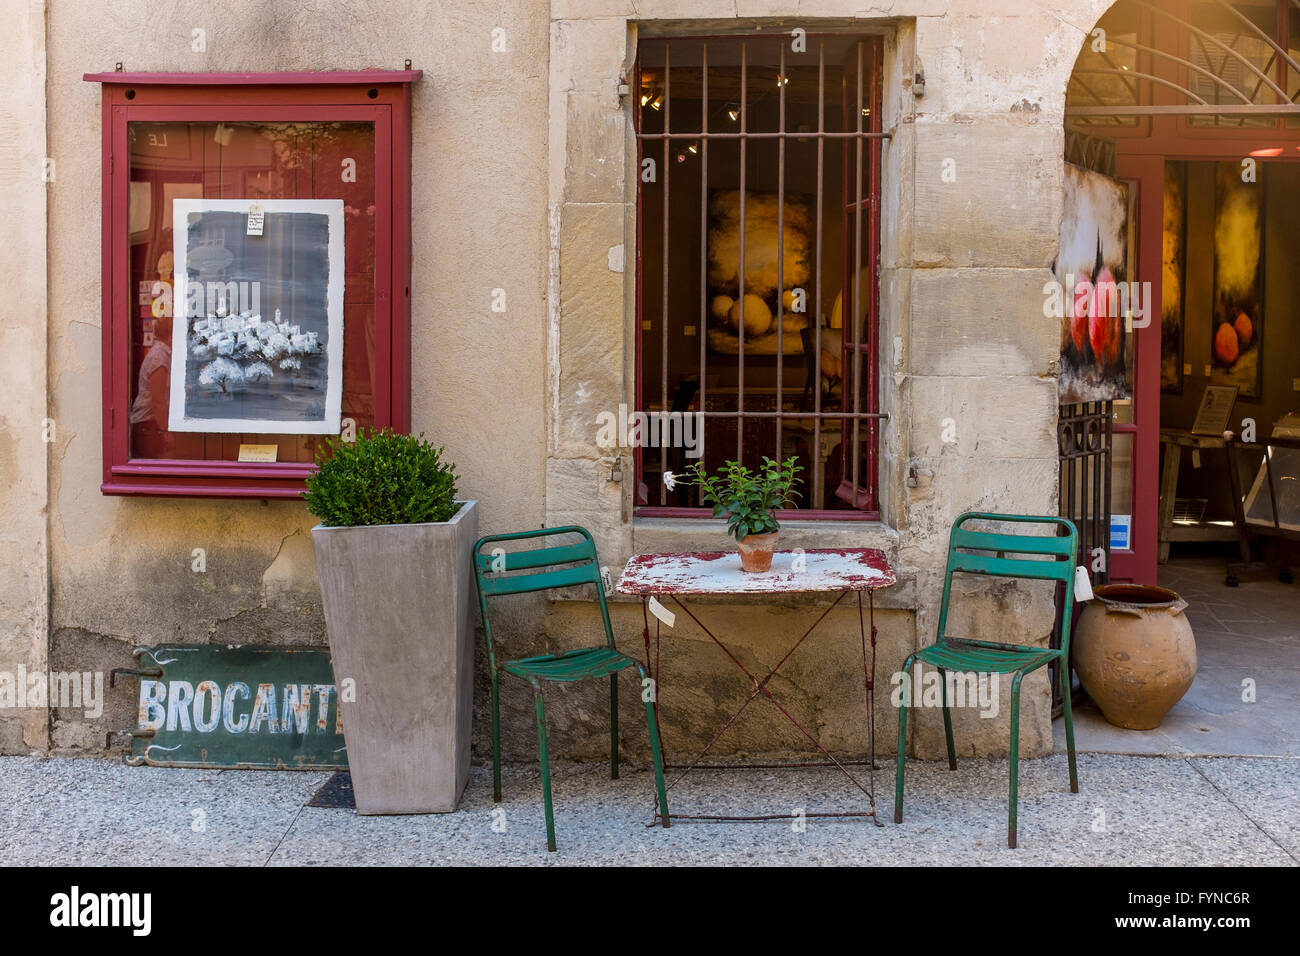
<point>1168,494</point>
<point>652,670</point>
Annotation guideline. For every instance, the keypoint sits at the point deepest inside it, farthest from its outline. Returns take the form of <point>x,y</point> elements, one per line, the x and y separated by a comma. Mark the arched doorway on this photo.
<point>1192,105</point>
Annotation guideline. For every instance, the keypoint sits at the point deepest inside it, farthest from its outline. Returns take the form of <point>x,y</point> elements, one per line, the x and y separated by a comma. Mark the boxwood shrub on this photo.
<point>381,478</point>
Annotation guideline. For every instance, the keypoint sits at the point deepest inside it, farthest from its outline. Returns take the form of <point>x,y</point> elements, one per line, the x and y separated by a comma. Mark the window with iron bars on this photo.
<point>758,237</point>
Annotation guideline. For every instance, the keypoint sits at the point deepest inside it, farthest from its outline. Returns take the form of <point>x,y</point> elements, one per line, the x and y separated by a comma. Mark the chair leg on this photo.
<point>656,754</point>
<point>546,767</point>
<point>1069,728</point>
<point>613,726</point>
<point>496,740</point>
<point>947,720</point>
<point>901,759</point>
<point>1015,759</point>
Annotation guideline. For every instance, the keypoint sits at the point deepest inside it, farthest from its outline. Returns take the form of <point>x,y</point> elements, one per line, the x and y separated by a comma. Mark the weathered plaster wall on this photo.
<point>122,567</point>
<point>521,182</point>
<point>24,495</point>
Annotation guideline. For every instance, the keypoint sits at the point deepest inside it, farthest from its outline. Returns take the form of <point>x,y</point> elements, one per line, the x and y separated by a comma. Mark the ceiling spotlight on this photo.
<point>733,111</point>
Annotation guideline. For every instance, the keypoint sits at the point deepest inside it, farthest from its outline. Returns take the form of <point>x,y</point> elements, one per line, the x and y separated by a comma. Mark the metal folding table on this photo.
<point>835,571</point>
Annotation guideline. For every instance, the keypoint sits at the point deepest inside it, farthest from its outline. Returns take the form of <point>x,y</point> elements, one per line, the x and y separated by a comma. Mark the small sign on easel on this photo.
<point>1215,411</point>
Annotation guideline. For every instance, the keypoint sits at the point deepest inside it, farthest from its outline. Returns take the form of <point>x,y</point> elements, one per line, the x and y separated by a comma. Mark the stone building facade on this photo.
<point>524,180</point>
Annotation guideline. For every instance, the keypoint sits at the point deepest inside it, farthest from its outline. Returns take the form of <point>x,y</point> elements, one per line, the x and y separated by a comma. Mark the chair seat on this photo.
<point>570,666</point>
<point>958,655</point>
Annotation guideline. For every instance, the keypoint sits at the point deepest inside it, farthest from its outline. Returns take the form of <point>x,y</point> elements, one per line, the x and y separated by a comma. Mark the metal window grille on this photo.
<point>771,121</point>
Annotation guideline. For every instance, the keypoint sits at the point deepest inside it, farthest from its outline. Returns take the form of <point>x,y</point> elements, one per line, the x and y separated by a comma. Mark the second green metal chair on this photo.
<point>1045,557</point>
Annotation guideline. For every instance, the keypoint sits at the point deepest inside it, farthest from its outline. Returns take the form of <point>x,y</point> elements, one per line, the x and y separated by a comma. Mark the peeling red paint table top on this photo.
<point>719,572</point>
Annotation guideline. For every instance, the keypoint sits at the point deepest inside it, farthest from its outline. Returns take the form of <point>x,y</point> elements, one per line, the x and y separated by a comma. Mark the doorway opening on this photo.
<point>1194,105</point>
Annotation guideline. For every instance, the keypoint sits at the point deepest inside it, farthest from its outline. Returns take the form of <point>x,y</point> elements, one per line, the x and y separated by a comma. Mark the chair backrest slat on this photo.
<point>1017,543</point>
<point>539,581</point>
<point>534,558</point>
<point>1054,570</point>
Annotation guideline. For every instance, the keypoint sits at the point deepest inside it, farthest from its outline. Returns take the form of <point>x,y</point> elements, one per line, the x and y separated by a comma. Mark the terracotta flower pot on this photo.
<point>1134,653</point>
<point>756,551</point>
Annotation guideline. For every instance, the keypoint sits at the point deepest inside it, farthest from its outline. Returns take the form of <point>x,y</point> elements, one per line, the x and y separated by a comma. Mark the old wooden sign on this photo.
<point>253,707</point>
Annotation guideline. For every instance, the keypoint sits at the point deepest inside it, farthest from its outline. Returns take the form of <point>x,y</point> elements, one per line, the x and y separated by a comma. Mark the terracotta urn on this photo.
<point>756,551</point>
<point>1134,653</point>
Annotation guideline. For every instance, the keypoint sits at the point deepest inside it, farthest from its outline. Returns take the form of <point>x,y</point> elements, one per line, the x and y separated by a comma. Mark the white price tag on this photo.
<point>256,218</point>
<point>1082,584</point>
<point>661,612</point>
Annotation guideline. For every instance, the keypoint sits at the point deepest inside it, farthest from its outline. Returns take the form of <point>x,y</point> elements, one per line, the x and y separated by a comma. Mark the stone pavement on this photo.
<point>1131,810</point>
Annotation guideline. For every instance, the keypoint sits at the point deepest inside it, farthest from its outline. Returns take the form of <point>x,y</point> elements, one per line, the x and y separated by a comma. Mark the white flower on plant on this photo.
<point>670,480</point>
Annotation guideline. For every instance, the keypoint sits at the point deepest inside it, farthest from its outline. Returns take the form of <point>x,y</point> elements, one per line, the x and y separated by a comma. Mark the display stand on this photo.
<point>1270,508</point>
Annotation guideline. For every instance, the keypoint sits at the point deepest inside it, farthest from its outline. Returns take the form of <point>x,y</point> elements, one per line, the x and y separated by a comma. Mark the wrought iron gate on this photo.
<point>1083,436</point>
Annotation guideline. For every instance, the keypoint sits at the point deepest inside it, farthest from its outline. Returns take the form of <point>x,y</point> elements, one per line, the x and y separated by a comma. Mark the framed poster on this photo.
<point>1215,411</point>
<point>1238,322</point>
<point>260,287</point>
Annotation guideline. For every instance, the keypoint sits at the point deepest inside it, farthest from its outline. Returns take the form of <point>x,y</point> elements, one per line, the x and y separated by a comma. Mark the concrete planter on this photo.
<point>398,615</point>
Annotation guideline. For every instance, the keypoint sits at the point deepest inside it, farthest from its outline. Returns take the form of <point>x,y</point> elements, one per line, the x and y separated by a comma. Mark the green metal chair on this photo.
<point>981,552</point>
<point>547,568</point>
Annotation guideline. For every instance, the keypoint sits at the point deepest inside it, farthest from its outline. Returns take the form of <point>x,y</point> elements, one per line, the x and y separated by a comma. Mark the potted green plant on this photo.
<point>749,501</point>
<point>393,552</point>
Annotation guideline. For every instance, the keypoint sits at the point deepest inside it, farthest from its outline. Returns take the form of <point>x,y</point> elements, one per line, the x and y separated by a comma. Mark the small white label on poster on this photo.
<point>255,220</point>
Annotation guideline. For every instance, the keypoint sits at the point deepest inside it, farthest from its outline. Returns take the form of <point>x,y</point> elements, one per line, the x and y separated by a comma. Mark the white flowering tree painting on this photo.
<point>236,368</point>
